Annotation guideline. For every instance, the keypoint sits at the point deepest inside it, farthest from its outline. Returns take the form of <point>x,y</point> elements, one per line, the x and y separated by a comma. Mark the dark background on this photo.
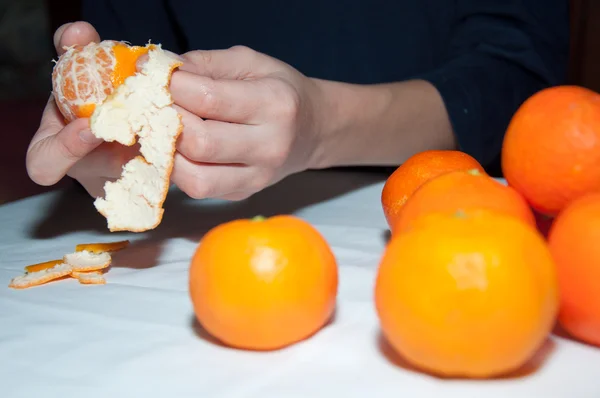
<point>26,52</point>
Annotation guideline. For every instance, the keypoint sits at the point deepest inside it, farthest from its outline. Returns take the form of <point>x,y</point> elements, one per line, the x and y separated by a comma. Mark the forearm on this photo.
<point>379,124</point>
<point>492,65</point>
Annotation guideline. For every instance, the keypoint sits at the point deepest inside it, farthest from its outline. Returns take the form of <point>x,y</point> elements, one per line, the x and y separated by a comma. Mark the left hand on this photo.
<point>249,121</point>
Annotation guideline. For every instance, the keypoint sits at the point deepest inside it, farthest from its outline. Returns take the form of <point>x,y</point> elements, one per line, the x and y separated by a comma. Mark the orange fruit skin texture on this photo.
<point>415,171</point>
<point>573,240</point>
<point>263,285</point>
<point>460,191</point>
<point>471,296</point>
<point>551,150</point>
<point>84,76</point>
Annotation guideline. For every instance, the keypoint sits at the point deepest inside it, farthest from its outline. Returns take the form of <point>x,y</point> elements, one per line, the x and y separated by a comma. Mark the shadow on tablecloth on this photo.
<point>73,211</point>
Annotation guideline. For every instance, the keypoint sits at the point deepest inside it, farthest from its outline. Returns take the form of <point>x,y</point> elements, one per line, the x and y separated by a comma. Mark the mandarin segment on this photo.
<point>81,78</point>
<point>85,75</point>
<point>126,62</point>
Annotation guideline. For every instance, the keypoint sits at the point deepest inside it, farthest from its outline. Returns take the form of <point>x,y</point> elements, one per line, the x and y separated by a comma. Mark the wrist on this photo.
<point>345,113</point>
<point>377,124</point>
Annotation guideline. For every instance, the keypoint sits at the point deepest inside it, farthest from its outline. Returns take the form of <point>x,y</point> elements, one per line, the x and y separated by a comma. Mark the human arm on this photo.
<point>251,120</point>
<point>501,52</point>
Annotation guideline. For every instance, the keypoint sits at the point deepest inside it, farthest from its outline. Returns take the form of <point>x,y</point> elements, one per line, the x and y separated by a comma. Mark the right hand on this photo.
<point>58,149</point>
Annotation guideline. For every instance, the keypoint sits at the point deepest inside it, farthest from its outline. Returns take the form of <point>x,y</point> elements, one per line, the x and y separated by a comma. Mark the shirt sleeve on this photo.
<point>500,53</point>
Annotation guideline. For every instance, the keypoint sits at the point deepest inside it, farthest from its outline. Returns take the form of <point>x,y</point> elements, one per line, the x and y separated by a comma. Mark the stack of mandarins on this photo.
<point>468,286</point>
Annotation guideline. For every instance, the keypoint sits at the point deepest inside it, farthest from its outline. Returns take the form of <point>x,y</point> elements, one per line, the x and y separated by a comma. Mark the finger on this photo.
<point>74,33</point>
<point>48,159</point>
<point>236,196</point>
<point>105,161</point>
<point>51,122</point>
<point>93,186</point>
<point>211,141</point>
<point>233,101</point>
<point>199,180</point>
<point>238,62</point>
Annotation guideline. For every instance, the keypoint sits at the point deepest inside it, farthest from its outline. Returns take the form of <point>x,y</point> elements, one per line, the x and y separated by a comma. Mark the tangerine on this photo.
<point>85,75</point>
<point>551,150</point>
<point>263,284</point>
<point>415,171</point>
<point>460,191</point>
<point>573,239</point>
<point>467,295</point>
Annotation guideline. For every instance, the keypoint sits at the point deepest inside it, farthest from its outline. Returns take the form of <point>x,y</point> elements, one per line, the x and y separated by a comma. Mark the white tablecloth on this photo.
<point>135,336</point>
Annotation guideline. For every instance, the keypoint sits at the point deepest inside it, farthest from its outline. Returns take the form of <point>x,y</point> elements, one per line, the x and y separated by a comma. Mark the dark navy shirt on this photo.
<point>484,56</point>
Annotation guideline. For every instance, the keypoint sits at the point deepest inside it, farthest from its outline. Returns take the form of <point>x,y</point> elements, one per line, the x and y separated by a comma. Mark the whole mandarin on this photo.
<point>263,284</point>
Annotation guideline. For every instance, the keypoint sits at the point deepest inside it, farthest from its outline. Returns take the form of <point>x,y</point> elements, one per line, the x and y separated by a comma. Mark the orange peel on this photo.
<point>125,104</point>
<point>125,107</point>
<point>102,247</point>
<point>84,261</point>
<point>41,277</point>
<point>42,266</point>
<point>89,278</point>
<point>87,264</point>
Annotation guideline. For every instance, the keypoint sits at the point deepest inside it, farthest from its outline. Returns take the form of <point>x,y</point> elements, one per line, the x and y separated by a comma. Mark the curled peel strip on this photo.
<point>40,277</point>
<point>42,266</point>
<point>110,247</point>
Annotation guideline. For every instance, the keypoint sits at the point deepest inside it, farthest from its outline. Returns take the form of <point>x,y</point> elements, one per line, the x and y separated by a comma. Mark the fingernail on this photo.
<point>87,137</point>
<point>59,32</point>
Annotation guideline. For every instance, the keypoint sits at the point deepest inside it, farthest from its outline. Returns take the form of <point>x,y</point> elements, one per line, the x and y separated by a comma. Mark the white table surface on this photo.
<point>135,336</point>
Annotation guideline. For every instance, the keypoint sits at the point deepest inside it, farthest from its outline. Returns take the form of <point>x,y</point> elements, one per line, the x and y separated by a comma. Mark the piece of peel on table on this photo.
<point>84,261</point>
<point>43,266</point>
<point>89,278</point>
<point>87,264</point>
<point>37,278</point>
<point>142,107</point>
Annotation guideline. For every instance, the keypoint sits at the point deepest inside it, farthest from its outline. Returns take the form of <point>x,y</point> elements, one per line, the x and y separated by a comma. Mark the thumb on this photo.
<point>49,159</point>
<point>74,33</point>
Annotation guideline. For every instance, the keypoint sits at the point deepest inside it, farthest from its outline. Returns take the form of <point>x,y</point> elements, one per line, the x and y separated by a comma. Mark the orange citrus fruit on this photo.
<point>85,75</point>
<point>470,295</point>
<point>415,171</point>
<point>573,239</point>
<point>551,150</point>
<point>263,284</point>
<point>460,191</point>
